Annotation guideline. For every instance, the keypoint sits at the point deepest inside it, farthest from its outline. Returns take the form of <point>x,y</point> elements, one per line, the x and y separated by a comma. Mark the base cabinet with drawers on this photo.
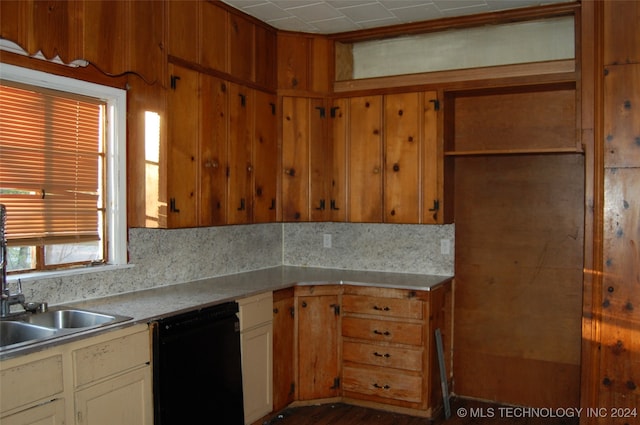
<point>378,343</point>
<point>104,379</point>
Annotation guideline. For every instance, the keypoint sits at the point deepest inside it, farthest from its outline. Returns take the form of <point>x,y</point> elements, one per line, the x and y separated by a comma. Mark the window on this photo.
<point>61,171</point>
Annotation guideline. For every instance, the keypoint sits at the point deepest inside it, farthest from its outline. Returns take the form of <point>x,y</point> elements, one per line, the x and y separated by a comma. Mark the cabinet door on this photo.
<point>295,158</point>
<point>365,159</point>
<point>213,151</point>
<point>125,399</point>
<point>213,24</point>
<point>257,366</point>
<point>183,128</point>
<point>402,158</point>
<point>319,161</point>
<point>240,47</point>
<point>240,170</point>
<point>338,113</point>
<point>182,31</point>
<point>283,346</point>
<point>265,154</point>
<point>318,336</point>
<point>51,413</point>
<point>432,163</point>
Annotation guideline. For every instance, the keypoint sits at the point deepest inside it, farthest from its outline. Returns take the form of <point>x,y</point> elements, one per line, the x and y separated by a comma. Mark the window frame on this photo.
<point>115,151</point>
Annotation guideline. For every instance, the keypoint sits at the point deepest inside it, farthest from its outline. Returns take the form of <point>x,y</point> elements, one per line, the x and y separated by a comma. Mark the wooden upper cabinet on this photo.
<point>183,138</point>
<point>319,161</point>
<point>240,169</point>
<point>241,47</point>
<point>339,126</point>
<point>265,57</point>
<point>293,62</point>
<point>295,158</point>
<point>365,159</point>
<point>183,29</point>
<point>212,159</point>
<point>621,35</point>
<point>434,192</point>
<point>265,158</point>
<point>213,24</point>
<point>402,158</point>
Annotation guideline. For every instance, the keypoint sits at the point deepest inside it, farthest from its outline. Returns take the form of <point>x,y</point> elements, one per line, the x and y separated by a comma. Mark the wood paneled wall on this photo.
<point>519,239</point>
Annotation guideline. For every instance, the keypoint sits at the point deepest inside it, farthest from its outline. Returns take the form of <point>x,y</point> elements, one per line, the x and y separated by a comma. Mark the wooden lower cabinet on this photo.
<point>283,349</point>
<point>318,309</point>
<point>104,379</point>
<point>364,345</point>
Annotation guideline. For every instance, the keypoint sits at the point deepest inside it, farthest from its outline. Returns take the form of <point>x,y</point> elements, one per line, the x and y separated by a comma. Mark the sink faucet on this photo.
<point>7,299</point>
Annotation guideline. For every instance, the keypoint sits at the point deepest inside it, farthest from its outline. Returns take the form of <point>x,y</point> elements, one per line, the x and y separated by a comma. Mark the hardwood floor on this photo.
<point>463,412</point>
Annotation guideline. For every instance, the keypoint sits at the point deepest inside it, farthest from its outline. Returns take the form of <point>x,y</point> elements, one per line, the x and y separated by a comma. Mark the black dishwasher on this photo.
<point>197,373</point>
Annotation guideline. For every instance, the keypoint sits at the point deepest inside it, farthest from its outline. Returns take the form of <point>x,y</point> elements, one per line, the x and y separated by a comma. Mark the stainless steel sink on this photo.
<point>66,319</point>
<point>30,328</point>
<point>13,332</point>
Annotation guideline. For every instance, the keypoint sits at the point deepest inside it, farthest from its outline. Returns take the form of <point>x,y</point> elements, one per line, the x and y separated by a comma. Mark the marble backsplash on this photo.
<point>405,248</point>
<point>160,257</point>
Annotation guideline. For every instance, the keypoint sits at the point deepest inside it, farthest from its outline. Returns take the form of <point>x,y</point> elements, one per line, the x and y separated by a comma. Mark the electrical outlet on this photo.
<point>445,246</point>
<point>326,240</point>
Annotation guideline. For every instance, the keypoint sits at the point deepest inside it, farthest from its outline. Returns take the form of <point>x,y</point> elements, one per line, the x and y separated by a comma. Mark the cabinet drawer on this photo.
<point>111,357</point>
<point>381,355</point>
<point>381,383</point>
<point>382,330</point>
<point>256,310</point>
<point>28,382</point>
<point>382,307</point>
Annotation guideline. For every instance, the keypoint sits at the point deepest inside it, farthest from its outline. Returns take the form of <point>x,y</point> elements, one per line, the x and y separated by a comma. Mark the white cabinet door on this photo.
<point>51,413</point>
<point>257,366</point>
<point>125,399</point>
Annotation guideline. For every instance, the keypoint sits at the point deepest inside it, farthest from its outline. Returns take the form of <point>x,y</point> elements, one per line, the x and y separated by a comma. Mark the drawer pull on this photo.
<point>386,355</point>
<point>383,387</point>
<point>385,333</point>
<point>375,307</point>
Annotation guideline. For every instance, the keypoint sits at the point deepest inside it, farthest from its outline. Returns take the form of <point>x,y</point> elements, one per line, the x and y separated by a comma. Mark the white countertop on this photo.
<point>148,305</point>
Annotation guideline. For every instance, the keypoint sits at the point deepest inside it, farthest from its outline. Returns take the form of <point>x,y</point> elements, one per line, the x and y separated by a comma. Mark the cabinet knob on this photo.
<point>211,164</point>
<point>290,172</point>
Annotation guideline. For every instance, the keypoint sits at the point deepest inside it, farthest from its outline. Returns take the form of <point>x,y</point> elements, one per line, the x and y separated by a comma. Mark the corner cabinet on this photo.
<point>99,380</point>
<point>364,345</point>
